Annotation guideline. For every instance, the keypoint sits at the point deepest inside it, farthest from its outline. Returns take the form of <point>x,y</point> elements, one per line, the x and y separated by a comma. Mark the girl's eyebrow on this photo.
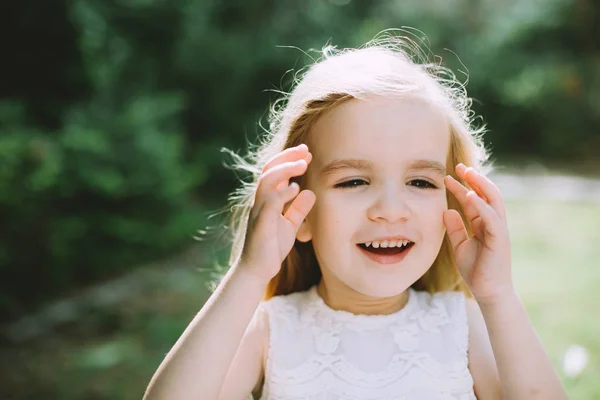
<point>433,166</point>
<point>415,165</point>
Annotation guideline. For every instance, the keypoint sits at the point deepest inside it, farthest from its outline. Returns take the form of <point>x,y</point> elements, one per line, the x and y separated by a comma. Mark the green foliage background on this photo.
<point>112,112</point>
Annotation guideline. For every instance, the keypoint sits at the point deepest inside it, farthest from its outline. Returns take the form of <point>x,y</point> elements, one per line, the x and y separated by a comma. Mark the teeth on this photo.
<point>385,243</point>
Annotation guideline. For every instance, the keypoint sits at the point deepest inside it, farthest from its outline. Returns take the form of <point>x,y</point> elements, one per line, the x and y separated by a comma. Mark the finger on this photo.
<point>271,180</point>
<point>490,219</point>
<point>455,228</point>
<point>300,207</point>
<point>484,188</point>
<point>285,183</point>
<point>475,187</point>
<point>460,192</point>
<point>289,154</point>
<point>270,210</point>
<point>295,212</point>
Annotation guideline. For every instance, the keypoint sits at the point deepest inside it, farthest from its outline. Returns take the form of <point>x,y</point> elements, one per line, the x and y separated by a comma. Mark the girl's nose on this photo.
<point>390,204</point>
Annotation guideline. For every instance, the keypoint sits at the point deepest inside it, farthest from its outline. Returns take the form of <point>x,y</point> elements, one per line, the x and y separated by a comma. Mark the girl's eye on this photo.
<point>350,184</point>
<point>419,183</point>
<point>423,184</point>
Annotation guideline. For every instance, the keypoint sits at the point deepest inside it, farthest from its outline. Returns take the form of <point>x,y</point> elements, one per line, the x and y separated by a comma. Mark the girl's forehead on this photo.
<point>380,129</point>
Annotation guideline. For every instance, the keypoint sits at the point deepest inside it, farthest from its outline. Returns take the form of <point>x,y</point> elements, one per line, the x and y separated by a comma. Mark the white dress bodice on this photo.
<point>318,353</point>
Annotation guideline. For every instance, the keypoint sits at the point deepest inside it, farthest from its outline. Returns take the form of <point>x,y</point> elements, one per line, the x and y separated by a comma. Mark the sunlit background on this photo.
<point>112,117</point>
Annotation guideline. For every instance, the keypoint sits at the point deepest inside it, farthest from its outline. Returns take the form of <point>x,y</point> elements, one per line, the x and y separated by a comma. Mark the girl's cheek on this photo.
<point>429,196</point>
<point>430,205</point>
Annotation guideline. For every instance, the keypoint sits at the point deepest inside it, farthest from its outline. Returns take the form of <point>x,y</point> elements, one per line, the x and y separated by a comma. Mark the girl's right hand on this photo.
<point>270,235</point>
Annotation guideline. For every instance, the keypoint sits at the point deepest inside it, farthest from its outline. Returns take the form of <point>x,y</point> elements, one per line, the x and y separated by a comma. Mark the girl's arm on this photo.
<point>247,370</point>
<point>482,363</point>
<point>484,261</point>
<point>525,369</point>
<point>198,364</point>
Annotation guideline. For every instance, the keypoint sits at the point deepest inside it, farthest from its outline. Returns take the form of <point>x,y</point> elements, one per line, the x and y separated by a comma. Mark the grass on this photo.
<point>556,269</point>
<point>111,354</point>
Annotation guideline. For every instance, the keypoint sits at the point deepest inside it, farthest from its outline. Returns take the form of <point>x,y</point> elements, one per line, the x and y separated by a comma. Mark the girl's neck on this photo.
<point>339,296</point>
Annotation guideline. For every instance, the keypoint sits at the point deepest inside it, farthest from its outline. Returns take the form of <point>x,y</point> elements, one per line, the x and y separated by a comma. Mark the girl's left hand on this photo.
<point>484,259</point>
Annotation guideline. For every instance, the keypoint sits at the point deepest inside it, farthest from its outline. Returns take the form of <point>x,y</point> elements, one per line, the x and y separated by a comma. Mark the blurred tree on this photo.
<point>534,71</point>
<point>110,188</point>
<point>112,112</point>
<point>41,65</point>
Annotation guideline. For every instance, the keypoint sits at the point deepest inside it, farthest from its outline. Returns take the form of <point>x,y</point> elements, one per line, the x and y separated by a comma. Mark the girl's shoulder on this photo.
<point>287,304</point>
<point>293,298</point>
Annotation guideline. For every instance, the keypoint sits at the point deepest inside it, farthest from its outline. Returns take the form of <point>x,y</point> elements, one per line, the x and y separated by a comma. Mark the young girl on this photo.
<point>371,256</point>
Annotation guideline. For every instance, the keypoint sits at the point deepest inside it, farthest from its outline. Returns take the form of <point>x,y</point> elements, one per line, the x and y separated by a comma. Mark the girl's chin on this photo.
<point>378,288</point>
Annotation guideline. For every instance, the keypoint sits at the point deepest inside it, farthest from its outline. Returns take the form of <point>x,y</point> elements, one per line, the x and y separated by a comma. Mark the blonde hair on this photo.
<point>383,67</point>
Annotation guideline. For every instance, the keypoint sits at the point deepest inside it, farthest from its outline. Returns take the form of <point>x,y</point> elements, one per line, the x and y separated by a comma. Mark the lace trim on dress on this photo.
<point>324,367</point>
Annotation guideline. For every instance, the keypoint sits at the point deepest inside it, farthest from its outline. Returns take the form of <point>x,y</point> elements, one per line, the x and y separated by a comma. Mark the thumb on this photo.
<point>455,228</point>
<point>299,208</point>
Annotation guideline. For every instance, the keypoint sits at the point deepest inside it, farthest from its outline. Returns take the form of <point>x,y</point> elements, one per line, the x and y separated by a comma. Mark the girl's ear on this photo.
<point>304,233</point>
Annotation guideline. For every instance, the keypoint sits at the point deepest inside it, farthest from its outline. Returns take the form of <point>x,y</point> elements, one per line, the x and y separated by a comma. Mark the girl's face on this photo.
<point>394,187</point>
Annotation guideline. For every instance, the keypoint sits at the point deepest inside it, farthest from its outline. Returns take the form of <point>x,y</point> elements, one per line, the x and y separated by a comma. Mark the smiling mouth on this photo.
<point>386,251</point>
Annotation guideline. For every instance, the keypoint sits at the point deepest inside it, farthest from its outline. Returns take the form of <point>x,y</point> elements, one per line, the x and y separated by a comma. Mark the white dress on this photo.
<point>417,353</point>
